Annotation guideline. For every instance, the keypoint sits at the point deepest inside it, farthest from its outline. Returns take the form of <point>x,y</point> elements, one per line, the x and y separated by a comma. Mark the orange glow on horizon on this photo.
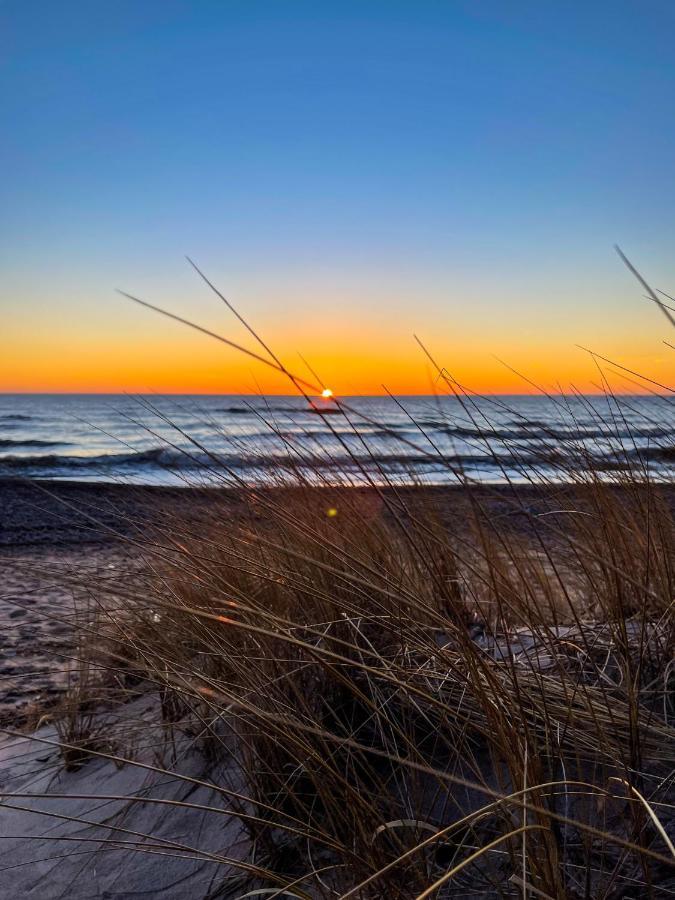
<point>366,362</point>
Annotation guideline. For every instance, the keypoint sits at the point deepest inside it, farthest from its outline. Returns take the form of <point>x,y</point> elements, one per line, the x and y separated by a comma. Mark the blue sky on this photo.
<point>458,168</point>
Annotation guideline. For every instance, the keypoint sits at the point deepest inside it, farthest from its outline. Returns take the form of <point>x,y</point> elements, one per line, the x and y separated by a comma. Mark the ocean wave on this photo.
<point>655,453</point>
<point>160,457</point>
<point>63,461</point>
<point>530,423</point>
<point>235,410</point>
<point>6,442</point>
<point>15,417</point>
<point>170,458</point>
<point>548,432</point>
<point>533,431</point>
<point>336,459</point>
<point>258,410</point>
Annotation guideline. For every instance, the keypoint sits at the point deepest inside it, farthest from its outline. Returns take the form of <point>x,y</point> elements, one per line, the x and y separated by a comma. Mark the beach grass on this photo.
<point>386,681</point>
<point>458,692</point>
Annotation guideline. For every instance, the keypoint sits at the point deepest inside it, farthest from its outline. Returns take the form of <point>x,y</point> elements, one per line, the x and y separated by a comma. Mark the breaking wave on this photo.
<point>6,442</point>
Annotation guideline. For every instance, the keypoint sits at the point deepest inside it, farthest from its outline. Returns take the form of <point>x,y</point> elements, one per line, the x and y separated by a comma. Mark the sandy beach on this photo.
<point>54,540</point>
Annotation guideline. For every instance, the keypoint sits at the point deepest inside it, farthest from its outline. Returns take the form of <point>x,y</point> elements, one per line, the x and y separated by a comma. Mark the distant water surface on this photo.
<point>178,439</point>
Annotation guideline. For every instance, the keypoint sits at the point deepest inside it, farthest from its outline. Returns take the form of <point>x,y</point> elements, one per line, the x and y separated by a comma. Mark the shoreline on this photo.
<point>60,512</point>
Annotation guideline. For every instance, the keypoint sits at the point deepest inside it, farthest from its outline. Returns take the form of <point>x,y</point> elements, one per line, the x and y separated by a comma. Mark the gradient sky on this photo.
<point>348,174</point>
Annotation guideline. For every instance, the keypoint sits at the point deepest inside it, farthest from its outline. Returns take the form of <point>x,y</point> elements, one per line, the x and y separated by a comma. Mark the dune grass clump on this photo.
<point>479,705</point>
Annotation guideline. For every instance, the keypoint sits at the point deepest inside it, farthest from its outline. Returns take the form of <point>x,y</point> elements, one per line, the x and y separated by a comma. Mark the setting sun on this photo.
<point>326,393</point>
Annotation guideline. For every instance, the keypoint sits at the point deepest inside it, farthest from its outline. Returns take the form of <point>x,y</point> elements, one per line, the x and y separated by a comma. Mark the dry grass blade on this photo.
<point>652,815</point>
<point>472,858</point>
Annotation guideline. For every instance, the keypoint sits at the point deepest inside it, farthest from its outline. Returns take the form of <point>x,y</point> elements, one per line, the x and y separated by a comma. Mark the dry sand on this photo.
<point>41,602</point>
<point>96,834</point>
<point>58,542</point>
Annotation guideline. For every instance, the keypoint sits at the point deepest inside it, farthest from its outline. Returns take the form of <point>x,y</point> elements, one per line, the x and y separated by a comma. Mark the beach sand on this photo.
<point>56,541</point>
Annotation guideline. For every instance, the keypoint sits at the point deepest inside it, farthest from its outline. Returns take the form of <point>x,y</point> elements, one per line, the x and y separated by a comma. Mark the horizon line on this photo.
<point>465,393</point>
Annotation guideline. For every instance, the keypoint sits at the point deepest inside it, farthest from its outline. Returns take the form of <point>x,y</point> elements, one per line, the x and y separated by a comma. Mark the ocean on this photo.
<point>181,439</point>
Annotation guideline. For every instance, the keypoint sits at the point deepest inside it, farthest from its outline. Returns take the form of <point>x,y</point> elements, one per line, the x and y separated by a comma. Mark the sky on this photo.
<point>349,175</point>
